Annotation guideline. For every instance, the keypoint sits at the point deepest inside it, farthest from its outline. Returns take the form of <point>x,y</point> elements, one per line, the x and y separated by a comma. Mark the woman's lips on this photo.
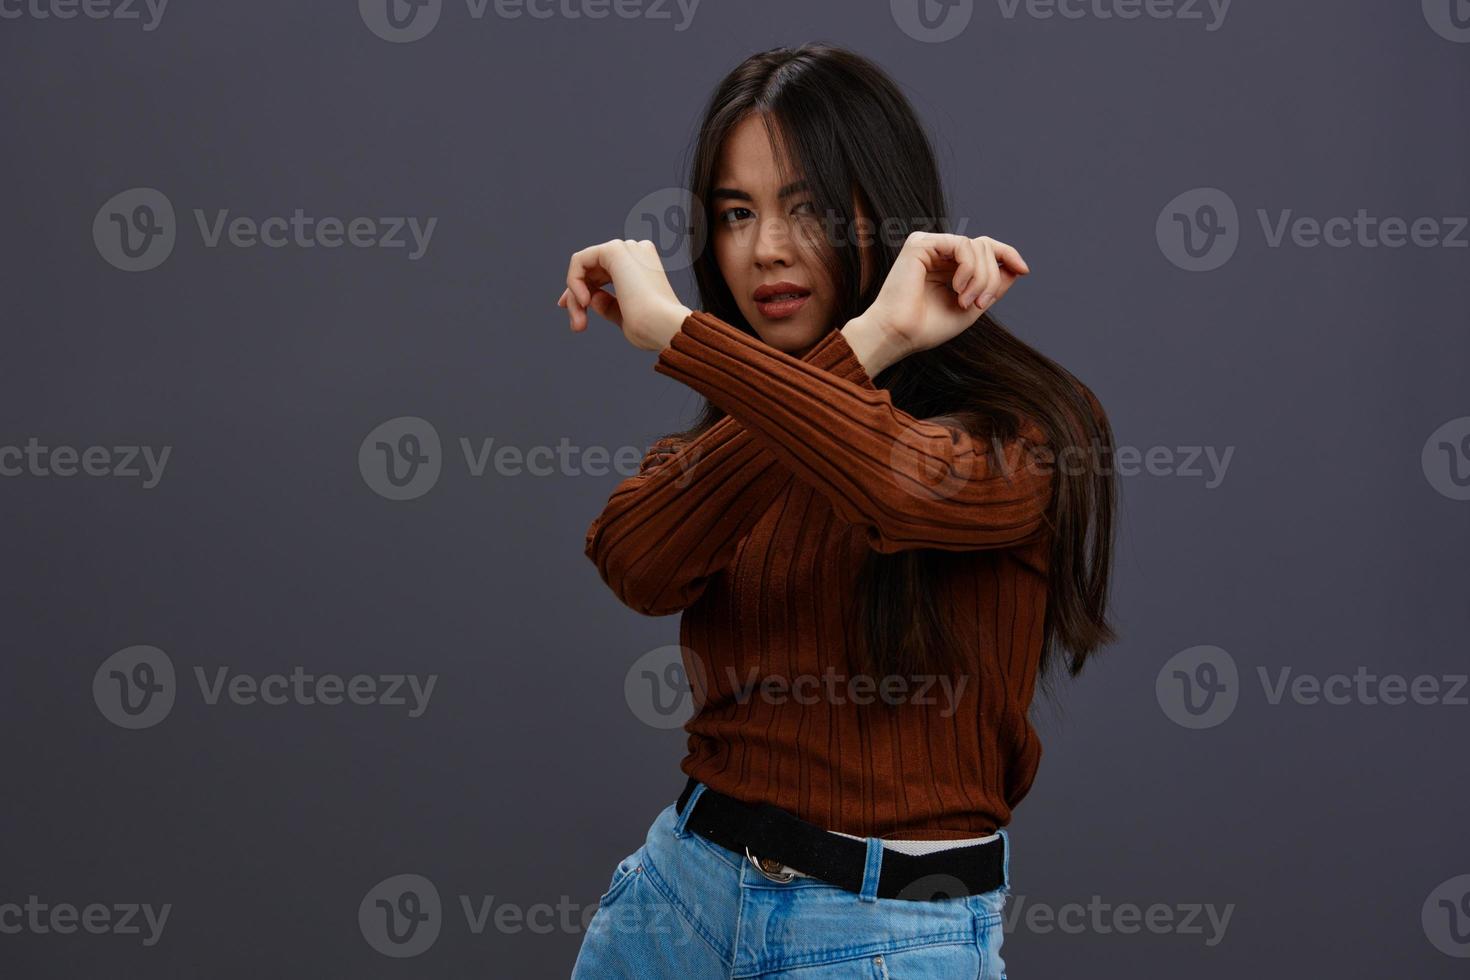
<point>780,309</point>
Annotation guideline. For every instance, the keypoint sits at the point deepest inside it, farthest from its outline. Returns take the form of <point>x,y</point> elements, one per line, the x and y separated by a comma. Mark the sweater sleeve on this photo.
<point>668,528</point>
<point>907,483</point>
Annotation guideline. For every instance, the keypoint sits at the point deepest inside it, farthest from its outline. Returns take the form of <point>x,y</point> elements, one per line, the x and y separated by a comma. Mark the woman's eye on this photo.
<point>730,216</point>
<point>811,207</point>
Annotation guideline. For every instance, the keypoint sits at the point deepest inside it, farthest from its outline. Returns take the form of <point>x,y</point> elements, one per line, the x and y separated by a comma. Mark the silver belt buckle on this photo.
<point>784,876</point>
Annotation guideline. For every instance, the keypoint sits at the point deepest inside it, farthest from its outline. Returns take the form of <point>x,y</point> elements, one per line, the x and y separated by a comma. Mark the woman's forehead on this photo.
<point>748,156</point>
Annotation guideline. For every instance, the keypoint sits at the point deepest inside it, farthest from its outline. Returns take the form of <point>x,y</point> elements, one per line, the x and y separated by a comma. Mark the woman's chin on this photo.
<point>793,335</point>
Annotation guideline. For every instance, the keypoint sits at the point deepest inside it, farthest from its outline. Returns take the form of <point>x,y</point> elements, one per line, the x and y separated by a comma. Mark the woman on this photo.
<point>890,518</point>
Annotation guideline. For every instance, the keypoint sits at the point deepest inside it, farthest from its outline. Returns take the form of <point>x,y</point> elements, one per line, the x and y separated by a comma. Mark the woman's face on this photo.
<point>768,241</point>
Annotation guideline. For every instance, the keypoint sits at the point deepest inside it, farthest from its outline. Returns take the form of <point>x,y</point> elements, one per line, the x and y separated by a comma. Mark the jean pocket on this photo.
<point>989,938</point>
<point>628,869</point>
<point>991,904</point>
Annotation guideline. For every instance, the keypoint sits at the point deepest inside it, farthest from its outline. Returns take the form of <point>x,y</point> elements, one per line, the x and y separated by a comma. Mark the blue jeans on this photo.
<point>684,907</point>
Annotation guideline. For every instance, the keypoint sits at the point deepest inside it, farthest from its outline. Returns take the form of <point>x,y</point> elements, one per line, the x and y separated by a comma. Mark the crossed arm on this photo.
<point>905,482</point>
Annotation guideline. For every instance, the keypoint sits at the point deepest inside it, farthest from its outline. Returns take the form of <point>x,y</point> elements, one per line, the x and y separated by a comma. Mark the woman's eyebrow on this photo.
<point>736,194</point>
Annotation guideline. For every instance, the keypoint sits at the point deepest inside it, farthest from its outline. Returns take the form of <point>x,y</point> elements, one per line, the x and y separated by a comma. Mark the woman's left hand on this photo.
<point>645,307</point>
<point>937,288</point>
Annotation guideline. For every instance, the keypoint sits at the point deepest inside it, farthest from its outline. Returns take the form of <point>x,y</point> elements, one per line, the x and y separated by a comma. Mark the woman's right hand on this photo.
<point>646,307</point>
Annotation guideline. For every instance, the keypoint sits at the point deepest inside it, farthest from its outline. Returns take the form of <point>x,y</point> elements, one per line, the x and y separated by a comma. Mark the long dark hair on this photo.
<point>852,132</point>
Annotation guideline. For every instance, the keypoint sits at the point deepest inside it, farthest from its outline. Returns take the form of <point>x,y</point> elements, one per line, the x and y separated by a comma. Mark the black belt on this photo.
<point>780,837</point>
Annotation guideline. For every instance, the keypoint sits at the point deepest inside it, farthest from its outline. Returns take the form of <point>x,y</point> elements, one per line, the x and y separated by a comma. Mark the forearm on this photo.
<point>678,521</point>
<point>907,482</point>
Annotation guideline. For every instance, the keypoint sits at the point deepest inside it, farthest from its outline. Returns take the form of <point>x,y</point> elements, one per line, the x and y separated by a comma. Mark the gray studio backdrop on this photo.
<point>260,688</point>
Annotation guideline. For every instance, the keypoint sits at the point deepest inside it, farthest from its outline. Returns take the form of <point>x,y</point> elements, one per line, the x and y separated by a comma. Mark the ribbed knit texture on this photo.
<point>756,531</point>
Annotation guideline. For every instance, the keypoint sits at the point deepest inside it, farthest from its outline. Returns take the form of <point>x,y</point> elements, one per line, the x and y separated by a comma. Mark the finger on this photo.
<point>579,295</point>
<point>1005,278</point>
<point>937,253</point>
<point>1001,281</point>
<point>984,278</point>
<point>1010,258</point>
<point>984,275</point>
<point>973,260</point>
<point>576,269</point>
<point>606,305</point>
<point>568,301</point>
<point>965,270</point>
<point>585,273</point>
<point>988,294</point>
<point>573,309</point>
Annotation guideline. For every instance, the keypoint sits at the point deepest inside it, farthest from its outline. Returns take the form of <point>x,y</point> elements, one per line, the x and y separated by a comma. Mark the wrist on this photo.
<point>673,323</point>
<point>875,347</point>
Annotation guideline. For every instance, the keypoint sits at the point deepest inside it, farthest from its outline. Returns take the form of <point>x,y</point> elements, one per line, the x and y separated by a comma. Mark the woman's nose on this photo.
<point>773,244</point>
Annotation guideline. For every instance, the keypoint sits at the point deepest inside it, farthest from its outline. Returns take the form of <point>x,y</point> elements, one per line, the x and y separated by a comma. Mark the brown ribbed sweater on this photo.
<point>756,531</point>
